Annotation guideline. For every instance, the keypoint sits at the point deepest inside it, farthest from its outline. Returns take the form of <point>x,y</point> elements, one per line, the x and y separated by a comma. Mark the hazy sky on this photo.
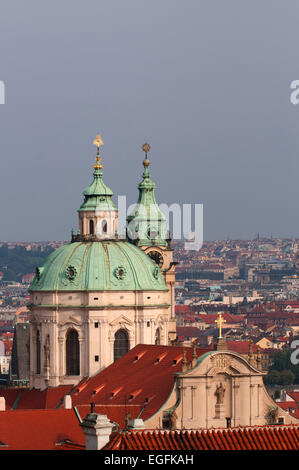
<point>206,83</point>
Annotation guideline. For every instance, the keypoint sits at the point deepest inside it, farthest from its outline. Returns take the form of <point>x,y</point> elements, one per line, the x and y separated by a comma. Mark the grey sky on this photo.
<point>207,83</point>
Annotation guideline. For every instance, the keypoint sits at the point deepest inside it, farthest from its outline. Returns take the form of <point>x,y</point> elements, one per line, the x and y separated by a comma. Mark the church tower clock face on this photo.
<point>157,257</point>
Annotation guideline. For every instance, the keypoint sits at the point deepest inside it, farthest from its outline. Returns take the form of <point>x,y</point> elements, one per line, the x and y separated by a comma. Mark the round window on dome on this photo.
<point>71,273</point>
<point>120,272</point>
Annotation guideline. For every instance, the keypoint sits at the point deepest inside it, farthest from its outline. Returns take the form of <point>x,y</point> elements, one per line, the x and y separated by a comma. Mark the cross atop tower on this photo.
<point>98,142</point>
<point>146,148</point>
<point>220,320</point>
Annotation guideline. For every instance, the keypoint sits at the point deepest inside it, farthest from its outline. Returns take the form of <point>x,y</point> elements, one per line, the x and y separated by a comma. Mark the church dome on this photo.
<point>98,266</point>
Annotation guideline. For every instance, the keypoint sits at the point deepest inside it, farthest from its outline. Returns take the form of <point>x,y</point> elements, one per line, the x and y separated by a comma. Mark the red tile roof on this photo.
<point>181,309</point>
<point>40,430</point>
<point>124,384</point>
<point>7,346</point>
<point>34,399</point>
<point>46,399</point>
<point>290,407</point>
<point>188,331</point>
<point>294,394</point>
<point>255,438</point>
<point>10,395</point>
<point>242,347</point>
<point>210,318</point>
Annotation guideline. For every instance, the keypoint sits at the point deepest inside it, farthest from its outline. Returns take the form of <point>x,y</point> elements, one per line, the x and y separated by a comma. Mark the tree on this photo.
<point>287,377</point>
<point>273,377</point>
<point>282,371</point>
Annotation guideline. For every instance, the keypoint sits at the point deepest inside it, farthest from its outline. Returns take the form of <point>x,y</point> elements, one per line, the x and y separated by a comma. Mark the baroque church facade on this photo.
<point>97,297</point>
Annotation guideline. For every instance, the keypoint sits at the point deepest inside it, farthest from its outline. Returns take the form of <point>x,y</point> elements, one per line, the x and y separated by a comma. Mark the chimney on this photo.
<point>2,404</point>
<point>67,402</point>
<point>137,424</point>
<point>97,429</point>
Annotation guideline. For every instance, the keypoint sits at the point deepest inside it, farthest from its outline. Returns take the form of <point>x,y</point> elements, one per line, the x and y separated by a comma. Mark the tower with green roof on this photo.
<point>147,225</point>
<point>147,228</point>
<point>98,215</point>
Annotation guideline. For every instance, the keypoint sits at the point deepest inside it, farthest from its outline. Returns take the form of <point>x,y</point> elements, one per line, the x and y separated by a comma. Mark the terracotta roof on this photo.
<point>10,395</point>
<point>290,407</point>
<point>294,394</point>
<point>211,317</point>
<point>34,399</point>
<point>182,309</point>
<point>188,331</point>
<point>143,378</point>
<point>40,430</point>
<point>8,346</point>
<point>242,347</point>
<point>255,438</point>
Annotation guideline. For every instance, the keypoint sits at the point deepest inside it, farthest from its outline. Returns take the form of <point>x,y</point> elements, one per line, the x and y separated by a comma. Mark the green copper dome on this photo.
<point>98,266</point>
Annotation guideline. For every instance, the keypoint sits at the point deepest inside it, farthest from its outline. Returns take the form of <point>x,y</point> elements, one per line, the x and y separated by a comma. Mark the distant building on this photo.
<point>19,372</point>
<point>28,278</point>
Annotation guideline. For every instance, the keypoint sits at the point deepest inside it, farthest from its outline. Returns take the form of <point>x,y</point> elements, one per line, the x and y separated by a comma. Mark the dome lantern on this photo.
<point>98,215</point>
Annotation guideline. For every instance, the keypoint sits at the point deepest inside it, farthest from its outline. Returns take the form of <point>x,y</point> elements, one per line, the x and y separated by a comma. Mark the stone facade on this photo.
<point>96,317</point>
<point>222,389</point>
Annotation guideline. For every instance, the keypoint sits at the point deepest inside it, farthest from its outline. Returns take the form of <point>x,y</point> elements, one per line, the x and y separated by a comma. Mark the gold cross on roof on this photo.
<point>98,142</point>
<point>220,322</point>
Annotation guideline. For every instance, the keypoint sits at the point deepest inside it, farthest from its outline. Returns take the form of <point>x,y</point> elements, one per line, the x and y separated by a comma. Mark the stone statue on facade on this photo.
<point>220,390</point>
<point>273,415</point>
<point>47,351</point>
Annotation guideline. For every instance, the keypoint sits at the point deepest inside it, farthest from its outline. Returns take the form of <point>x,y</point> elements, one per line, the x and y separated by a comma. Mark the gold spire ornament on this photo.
<point>146,148</point>
<point>98,142</point>
<point>220,322</point>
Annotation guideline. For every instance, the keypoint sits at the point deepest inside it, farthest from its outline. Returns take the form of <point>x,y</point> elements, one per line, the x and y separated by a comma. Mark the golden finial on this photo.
<point>98,142</point>
<point>146,148</point>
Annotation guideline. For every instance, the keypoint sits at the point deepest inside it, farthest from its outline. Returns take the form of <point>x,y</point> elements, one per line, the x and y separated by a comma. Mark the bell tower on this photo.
<point>147,228</point>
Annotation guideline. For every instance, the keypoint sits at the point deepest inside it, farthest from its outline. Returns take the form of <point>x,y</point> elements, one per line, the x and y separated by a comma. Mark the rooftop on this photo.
<point>249,438</point>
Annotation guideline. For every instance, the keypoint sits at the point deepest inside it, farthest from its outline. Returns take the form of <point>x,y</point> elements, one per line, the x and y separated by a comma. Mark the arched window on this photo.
<point>72,353</point>
<point>121,344</point>
<point>158,336</point>
<point>37,352</point>
<point>104,226</point>
<point>91,227</point>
